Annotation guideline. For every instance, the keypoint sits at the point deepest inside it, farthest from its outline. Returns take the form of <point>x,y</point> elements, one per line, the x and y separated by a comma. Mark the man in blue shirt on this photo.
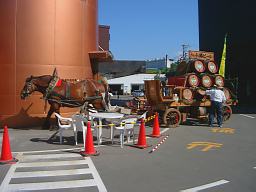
<point>217,98</point>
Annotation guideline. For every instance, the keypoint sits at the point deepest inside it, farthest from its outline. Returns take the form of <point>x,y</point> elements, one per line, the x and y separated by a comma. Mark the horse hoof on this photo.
<point>53,128</point>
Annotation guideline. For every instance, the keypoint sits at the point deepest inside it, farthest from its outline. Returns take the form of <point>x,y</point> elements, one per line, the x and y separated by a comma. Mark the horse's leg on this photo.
<point>47,120</point>
<point>103,102</point>
<point>53,108</point>
<point>108,100</point>
<point>46,124</point>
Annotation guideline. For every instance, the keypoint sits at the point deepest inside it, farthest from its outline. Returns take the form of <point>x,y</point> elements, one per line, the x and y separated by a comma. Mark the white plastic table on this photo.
<point>105,115</point>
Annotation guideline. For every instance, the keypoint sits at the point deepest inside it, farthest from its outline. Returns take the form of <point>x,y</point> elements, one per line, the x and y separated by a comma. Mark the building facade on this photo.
<point>127,84</point>
<point>119,68</point>
<point>236,19</point>
<point>104,37</point>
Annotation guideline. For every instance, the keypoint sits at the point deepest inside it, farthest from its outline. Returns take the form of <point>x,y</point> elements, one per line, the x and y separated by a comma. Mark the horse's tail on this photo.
<point>103,80</point>
<point>106,96</point>
<point>45,105</point>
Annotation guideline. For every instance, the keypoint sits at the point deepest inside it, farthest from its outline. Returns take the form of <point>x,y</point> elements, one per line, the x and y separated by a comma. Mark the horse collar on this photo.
<point>51,86</point>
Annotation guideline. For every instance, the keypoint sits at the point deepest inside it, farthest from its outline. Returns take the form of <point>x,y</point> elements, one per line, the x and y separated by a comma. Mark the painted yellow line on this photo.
<point>206,145</point>
<point>223,130</point>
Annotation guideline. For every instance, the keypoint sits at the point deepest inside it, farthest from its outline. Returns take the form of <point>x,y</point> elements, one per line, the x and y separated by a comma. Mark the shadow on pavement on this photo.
<point>67,140</point>
<point>245,109</point>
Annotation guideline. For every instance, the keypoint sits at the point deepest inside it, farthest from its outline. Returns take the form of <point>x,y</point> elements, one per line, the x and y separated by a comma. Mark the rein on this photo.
<point>74,103</point>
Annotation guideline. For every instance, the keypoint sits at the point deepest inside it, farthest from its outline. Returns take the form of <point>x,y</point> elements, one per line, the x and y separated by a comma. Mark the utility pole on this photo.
<point>166,62</point>
<point>184,50</point>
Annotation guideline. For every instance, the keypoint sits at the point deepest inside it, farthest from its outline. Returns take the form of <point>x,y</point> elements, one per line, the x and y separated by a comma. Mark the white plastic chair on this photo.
<point>63,123</point>
<point>79,121</point>
<point>127,126</point>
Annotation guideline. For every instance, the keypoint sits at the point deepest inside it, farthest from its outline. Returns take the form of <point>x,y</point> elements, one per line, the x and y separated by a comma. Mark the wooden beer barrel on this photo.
<point>219,80</point>
<point>206,81</point>
<point>187,94</point>
<point>227,93</point>
<point>192,80</point>
<point>211,67</point>
<point>197,66</point>
<point>193,66</point>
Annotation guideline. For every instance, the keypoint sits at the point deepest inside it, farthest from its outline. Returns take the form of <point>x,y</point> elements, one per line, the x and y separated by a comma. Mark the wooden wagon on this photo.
<point>177,103</point>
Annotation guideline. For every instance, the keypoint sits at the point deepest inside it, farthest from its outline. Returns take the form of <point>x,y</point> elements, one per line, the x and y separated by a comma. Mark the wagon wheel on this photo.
<point>172,117</point>
<point>227,112</point>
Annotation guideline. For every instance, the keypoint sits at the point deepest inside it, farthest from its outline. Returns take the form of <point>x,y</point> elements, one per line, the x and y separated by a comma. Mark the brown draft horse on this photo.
<point>62,93</point>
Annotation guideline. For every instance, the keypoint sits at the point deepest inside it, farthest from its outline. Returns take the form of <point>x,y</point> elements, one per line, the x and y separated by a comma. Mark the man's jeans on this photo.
<point>215,107</point>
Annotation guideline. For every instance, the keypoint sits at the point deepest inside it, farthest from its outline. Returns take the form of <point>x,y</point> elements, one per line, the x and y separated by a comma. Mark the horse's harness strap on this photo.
<point>72,103</point>
<point>51,86</point>
<point>68,91</point>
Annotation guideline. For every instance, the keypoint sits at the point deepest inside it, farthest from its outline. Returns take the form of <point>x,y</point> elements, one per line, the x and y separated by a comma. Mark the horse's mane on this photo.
<point>39,77</point>
<point>41,80</point>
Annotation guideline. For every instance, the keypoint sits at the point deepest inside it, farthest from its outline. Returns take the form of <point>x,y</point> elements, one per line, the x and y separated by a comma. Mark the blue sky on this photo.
<point>148,29</point>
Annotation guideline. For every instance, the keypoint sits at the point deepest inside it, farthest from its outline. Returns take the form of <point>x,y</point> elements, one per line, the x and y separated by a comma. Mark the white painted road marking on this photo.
<point>51,185</point>
<point>48,156</point>
<point>51,173</point>
<point>23,180</point>
<point>247,116</point>
<point>55,163</point>
<point>202,187</point>
<point>52,150</point>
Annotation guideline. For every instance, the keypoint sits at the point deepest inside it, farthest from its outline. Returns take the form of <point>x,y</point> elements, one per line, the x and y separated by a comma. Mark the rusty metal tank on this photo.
<point>36,37</point>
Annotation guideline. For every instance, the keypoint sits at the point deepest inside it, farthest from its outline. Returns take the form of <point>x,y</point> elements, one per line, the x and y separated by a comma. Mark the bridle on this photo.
<point>29,89</point>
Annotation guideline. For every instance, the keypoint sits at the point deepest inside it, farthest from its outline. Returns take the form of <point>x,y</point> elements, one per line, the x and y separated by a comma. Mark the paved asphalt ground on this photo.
<point>194,157</point>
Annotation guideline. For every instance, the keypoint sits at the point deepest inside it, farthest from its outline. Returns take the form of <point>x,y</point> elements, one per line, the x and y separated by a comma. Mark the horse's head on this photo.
<point>28,88</point>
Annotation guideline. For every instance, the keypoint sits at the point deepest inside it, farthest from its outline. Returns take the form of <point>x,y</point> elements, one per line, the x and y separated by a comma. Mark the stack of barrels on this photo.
<point>193,77</point>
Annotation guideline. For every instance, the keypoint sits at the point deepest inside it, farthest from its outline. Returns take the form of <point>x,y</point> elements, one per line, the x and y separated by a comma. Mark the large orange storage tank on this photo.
<point>35,37</point>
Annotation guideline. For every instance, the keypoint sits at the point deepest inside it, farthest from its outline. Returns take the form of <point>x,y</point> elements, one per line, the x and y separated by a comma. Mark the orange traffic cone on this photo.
<point>6,155</point>
<point>156,128</point>
<point>142,143</point>
<point>89,146</point>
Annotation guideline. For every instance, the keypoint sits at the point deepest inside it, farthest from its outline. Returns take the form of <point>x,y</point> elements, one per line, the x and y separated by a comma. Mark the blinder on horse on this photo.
<point>28,88</point>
